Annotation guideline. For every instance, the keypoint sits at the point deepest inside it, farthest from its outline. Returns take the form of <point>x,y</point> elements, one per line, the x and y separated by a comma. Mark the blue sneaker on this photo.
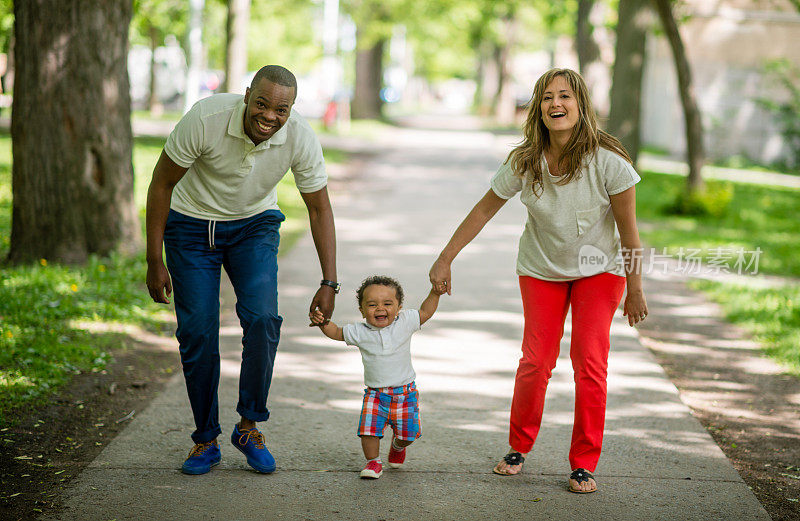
<point>202,457</point>
<point>251,443</point>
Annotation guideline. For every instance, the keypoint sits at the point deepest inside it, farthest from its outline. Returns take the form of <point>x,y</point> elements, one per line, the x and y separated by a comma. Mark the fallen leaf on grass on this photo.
<point>126,417</point>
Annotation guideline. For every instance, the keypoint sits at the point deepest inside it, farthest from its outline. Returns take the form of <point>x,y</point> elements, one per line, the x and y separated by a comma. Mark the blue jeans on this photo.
<point>196,250</point>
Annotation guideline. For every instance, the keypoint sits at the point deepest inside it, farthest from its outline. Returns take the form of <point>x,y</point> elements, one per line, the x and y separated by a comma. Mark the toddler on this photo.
<point>384,340</point>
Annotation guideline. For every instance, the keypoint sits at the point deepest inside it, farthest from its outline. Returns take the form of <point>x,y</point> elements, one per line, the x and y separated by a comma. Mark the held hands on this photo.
<point>635,307</point>
<point>438,290</point>
<point>440,277</point>
<point>322,306</point>
<point>317,318</point>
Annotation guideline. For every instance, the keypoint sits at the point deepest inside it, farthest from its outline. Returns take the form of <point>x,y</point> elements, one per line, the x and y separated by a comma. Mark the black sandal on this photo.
<point>512,458</point>
<point>581,475</point>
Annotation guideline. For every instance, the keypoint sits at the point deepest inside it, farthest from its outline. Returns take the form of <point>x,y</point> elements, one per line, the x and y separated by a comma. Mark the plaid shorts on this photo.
<point>395,406</point>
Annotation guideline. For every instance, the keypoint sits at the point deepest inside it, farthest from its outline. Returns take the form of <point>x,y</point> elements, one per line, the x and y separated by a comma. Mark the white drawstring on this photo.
<point>212,228</point>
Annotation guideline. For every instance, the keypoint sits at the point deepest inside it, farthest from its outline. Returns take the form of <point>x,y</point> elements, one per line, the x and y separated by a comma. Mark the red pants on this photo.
<point>594,300</point>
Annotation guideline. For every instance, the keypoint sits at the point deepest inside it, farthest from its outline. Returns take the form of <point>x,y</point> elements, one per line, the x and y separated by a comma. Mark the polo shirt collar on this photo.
<point>236,128</point>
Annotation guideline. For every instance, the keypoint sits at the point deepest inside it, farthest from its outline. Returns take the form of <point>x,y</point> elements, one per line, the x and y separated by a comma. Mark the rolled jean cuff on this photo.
<point>252,415</point>
<point>206,436</point>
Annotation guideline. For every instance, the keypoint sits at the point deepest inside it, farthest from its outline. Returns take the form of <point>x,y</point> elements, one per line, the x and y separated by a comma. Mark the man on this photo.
<point>212,202</point>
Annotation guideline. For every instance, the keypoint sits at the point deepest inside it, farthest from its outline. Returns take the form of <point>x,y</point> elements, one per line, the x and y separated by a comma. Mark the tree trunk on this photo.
<point>72,177</point>
<point>194,44</point>
<point>691,113</point>
<point>236,45</point>
<point>626,83</point>
<point>153,103</point>
<point>367,103</point>
<point>497,69</point>
<point>489,71</point>
<point>587,49</point>
<point>504,102</point>
<point>478,98</point>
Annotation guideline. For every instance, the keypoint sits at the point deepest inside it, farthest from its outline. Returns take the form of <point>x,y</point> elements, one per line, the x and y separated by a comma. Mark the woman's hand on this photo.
<point>440,276</point>
<point>635,307</point>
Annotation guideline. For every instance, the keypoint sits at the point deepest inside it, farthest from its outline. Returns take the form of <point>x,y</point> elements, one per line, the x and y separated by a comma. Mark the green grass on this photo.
<point>772,316</point>
<point>168,115</point>
<point>57,321</point>
<point>736,161</point>
<point>758,217</point>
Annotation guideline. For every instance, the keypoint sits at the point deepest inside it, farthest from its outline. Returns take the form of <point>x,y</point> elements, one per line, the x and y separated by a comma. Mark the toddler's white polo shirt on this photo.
<point>385,352</point>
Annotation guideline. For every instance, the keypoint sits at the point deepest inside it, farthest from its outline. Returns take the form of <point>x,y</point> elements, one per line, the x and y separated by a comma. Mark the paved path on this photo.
<point>658,462</point>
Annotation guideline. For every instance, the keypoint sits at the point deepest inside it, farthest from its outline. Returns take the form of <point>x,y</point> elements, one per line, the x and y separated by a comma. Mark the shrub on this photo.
<point>714,200</point>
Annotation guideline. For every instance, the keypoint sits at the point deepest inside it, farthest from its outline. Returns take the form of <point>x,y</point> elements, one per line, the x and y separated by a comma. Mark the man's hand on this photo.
<point>323,302</point>
<point>158,282</point>
<point>165,176</point>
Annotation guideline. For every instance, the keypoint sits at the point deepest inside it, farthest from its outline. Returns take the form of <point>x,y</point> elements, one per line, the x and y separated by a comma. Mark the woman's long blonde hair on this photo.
<point>584,141</point>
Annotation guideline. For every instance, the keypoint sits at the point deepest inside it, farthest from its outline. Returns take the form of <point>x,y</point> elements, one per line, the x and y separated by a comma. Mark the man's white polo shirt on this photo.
<point>229,177</point>
<point>385,352</point>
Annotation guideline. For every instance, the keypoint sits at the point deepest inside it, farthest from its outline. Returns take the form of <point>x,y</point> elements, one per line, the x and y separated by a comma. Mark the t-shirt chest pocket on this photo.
<point>587,219</point>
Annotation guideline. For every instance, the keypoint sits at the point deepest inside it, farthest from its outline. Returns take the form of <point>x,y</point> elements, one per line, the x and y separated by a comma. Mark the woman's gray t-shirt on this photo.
<point>570,232</point>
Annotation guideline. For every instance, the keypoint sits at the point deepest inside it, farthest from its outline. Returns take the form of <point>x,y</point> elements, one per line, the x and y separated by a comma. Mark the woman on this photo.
<point>580,248</point>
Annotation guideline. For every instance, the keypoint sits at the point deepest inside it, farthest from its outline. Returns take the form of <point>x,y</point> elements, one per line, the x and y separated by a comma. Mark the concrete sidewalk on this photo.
<point>658,462</point>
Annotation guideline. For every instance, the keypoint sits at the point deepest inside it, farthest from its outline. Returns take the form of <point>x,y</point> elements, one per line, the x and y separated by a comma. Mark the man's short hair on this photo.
<point>276,74</point>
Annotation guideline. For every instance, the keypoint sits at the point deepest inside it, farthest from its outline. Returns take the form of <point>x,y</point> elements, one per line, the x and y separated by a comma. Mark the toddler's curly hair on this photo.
<point>380,280</point>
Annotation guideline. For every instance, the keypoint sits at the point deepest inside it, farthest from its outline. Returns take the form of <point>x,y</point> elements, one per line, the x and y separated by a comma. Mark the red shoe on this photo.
<point>373,470</point>
<point>396,457</point>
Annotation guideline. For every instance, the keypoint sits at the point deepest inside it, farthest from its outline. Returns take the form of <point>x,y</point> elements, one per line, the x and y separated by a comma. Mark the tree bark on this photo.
<point>72,177</point>
<point>194,47</point>
<point>153,103</point>
<point>694,125</point>
<point>587,49</point>
<point>367,103</point>
<point>478,97</point>
<point>626,83</point>
<point>503,101</point>
<point>236,45</point>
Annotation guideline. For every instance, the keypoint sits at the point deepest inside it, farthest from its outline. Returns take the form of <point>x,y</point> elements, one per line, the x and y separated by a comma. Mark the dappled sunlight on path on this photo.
<point>393,218</point>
